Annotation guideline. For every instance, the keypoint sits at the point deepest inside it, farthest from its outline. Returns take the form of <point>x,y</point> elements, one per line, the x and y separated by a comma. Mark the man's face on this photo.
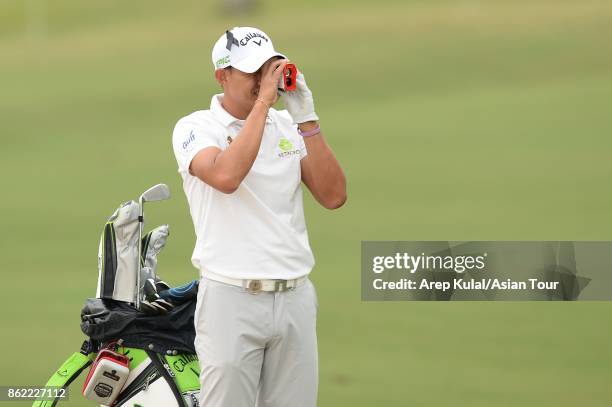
<point>243,88</point>
<point>240,87</point>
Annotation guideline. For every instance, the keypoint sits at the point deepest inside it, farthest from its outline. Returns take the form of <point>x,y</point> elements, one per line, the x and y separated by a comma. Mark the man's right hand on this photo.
<point>225,170</point>
<point>271,71</point>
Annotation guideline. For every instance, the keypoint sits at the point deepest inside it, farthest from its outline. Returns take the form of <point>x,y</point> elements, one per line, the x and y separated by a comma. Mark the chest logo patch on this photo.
<point>285,144</point>
<point>287,148</point>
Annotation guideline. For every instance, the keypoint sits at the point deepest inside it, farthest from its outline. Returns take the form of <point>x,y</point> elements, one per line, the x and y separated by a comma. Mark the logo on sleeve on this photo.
<point>189,140</point>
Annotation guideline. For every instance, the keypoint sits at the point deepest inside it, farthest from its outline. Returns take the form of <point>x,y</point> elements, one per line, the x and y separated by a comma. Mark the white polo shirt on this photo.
<point>259,231</point>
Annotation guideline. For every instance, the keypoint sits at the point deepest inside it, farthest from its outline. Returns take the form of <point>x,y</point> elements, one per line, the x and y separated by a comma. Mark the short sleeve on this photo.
<point>191,136</point>
<point>302,146</point>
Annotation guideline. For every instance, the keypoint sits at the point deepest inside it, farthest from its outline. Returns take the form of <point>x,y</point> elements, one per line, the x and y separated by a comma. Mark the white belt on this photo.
<point>257,286</point>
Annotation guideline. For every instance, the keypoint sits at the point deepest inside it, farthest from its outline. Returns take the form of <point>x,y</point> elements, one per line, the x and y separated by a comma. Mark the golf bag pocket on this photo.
<point>118,254</point>
<point>106,378</point>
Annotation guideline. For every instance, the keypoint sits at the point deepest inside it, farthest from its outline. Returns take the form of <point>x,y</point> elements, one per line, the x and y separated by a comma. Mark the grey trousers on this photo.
<point>256,349</point>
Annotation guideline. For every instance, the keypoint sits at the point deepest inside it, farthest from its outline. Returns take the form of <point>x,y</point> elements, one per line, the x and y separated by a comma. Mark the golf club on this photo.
<point>159,192</point>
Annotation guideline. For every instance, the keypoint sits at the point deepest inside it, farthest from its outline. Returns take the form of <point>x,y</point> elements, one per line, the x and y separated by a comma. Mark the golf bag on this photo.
<point>163,368</point>
<point>154,348</point>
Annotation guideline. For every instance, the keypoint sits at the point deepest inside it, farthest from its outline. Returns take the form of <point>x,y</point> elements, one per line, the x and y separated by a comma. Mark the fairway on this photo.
<point>453,120</point>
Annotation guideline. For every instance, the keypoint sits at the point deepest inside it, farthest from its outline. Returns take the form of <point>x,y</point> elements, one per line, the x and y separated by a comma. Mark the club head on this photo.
<point>157,192</point>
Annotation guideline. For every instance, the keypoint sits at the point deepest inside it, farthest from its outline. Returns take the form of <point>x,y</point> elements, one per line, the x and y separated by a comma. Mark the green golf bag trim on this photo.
<point>181,372</point>
<point>186,369</point>
<point>65,375</point>
<point>136,356</point>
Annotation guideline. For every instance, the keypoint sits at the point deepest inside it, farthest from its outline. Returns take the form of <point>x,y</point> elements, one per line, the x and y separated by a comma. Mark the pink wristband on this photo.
<point>312,132</point>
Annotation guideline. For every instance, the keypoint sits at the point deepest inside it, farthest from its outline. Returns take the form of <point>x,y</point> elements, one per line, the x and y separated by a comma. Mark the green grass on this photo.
<point>453,121</point>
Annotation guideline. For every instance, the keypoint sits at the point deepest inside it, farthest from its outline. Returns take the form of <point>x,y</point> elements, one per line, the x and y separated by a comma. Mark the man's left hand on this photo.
<point>299,103</point>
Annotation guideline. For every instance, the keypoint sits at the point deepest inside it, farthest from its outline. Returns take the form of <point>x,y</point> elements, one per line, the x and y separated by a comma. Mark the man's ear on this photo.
<point>221,76</point>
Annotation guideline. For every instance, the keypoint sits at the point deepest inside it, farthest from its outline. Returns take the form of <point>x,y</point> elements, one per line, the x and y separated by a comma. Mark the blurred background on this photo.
<point>453,120</point>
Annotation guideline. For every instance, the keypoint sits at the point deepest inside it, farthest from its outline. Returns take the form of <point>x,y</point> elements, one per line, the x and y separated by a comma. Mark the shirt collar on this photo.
<point>224,117</point>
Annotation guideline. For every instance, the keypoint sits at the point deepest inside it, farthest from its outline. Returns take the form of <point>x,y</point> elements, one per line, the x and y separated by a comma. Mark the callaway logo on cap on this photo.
<point>244,48</point>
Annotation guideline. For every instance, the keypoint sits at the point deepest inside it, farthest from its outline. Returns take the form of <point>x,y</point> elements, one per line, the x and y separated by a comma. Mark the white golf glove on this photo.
<point>299,103</point>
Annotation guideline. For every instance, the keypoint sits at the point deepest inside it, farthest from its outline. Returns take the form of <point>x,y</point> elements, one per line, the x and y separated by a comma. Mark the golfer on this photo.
<point>242,163</point>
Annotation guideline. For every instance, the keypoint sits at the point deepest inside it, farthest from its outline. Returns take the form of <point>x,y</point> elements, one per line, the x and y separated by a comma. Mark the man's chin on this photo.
<point>252,100</point>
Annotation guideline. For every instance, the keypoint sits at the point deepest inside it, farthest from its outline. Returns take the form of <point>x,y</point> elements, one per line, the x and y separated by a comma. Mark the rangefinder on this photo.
<point>288,79</point>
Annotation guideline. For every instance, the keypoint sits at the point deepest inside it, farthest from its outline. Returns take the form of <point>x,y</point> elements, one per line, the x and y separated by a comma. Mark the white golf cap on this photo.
<point>244,48</point>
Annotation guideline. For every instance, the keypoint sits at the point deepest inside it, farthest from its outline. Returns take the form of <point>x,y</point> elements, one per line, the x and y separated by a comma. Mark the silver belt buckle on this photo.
<point>254,286</point>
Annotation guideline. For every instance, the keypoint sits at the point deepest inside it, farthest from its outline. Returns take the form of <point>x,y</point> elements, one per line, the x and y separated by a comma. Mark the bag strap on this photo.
<point>166,372</point>
<point>67,372</point>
